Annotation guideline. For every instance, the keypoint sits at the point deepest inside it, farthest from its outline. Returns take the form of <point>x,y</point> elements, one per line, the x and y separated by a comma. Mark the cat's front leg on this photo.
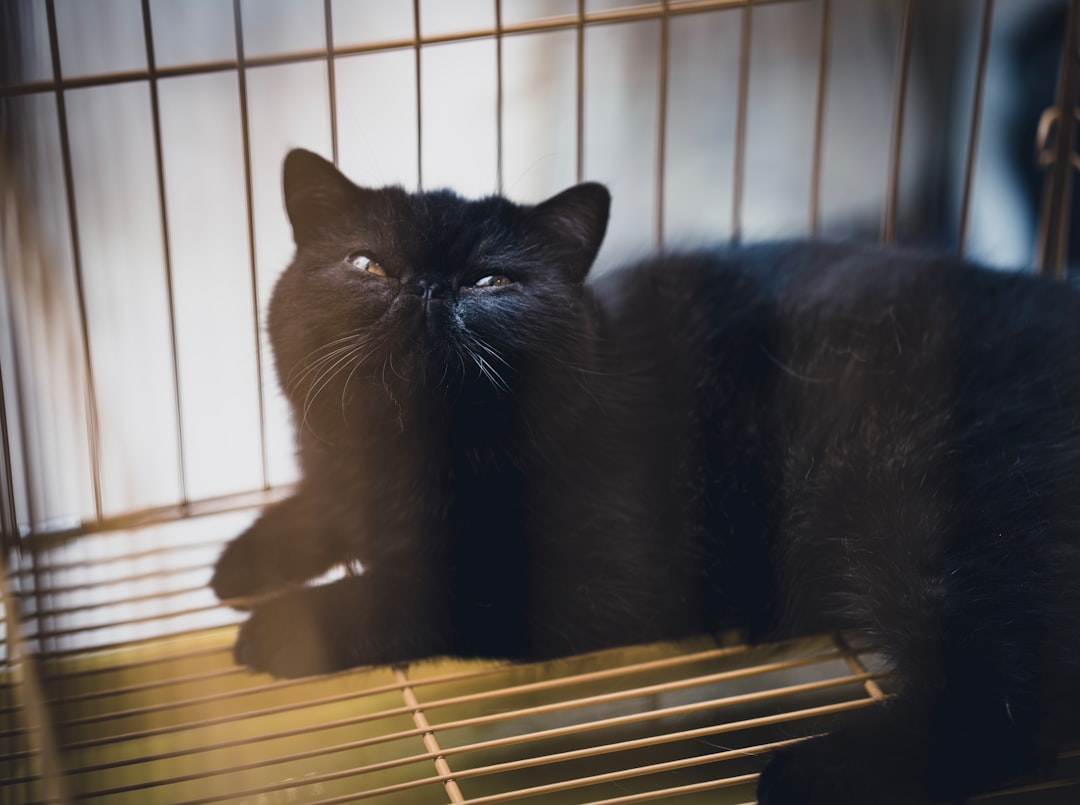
<point>371,619</point>
<point>281,549</point>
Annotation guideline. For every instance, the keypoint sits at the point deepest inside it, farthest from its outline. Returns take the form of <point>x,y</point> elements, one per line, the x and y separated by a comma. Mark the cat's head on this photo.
<point>394,293</point>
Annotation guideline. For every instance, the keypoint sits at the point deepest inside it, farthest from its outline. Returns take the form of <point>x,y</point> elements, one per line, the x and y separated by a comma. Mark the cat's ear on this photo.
<point>574,222</point>
<point>316,192</point>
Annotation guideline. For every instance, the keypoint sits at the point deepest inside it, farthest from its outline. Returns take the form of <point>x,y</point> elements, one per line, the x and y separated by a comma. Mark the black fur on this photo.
<point>786,438</point>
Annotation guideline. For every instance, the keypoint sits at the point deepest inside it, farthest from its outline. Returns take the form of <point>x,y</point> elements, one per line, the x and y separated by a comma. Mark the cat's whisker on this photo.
<point>316,369</point>
<point>356,365</point>
<point>495,376</point>
<point>325,379</point>
<point>445,372</point>
<point>473,338</point>
<point>489,349</point>
<point>327,371</point>
<point>487,370</point>
<point>336,348</point>
<point>385,385</point>
<point>395,371</point>
<point>346,338</point>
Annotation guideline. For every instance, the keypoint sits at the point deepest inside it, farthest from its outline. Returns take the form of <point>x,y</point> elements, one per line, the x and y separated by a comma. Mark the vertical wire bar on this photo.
<point>899,104</point>
<point>737,178</point>
<point>24,667</point>
<point>331,81</point>
<point>33,544</point>
<point>853,661</point>
<point>24,432</point>
<point>579,134</point>
<point>814,223</point>
<point>976,121</point>
<point>1053,236</point>
<point>40,576</point>
<point>661,125</point>
<point>245,135</point>
<point>498,98</point>
<point>24,435</point>
<point>93,435</point>
<point>453,792</point>
<point>155,115</point>
<point>419,103</point>
<point>9,513</point>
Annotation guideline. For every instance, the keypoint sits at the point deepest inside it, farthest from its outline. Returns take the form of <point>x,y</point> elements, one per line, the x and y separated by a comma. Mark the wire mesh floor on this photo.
<point>135,656</point>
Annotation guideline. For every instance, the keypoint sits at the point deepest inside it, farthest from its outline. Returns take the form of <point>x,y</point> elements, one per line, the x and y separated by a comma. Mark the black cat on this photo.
<point>788,438</point>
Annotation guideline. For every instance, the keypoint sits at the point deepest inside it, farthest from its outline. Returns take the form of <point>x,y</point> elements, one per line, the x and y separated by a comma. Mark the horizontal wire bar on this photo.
<point>142,687</point>
<point>634,718</point>
<point>75,630</point>
<point>650,665</point>
<point>578,782</point>
<point>554,23</point>
<point>145,661</point>
<point>134,578</point>
<point>615,747</point>
<point>163,595</point>
<point>46,566</point>
<point>158,515</point>
<point>1046,785</point>
<point>153,732</point>
<point>459,750</point>
<point>121,645</point>
<point>269,711</point>
<point>472,698</point>
<point>593,676</point>
<point>641,667</point>
<point>558,757</point>
<point>236,670</point>
<point>722,782</point>
<point>256,689</point>
<point>581,753</point>
<point>577,754</point>
<point>678,791</point>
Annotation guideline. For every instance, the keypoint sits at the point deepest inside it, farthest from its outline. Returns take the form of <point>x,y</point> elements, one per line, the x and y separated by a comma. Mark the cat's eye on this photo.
<point>493,281</point>
<point>364,261</point>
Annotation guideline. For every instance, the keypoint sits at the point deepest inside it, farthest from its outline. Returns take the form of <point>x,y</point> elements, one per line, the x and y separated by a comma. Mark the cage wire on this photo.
<point>142,233</point>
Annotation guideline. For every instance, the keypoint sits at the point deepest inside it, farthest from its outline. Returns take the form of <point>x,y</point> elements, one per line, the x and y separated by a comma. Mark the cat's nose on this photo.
<point>426,289</point>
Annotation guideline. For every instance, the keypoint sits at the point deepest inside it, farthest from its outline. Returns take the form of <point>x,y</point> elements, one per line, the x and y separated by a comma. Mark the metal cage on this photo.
<point>116,682</point>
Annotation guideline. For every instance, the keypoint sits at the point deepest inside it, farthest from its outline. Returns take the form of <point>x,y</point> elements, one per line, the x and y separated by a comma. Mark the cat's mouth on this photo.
<point>417,343</point>
<point>456,355</point>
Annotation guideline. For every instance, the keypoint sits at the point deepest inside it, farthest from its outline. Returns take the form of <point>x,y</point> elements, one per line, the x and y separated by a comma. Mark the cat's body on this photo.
<point>787,439</point>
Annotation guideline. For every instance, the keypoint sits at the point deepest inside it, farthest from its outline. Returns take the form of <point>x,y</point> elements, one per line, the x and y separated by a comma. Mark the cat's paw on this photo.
<point>242,575</point>
<point>285,639</point>
<point>280,551</point>
<point>356,621</point>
